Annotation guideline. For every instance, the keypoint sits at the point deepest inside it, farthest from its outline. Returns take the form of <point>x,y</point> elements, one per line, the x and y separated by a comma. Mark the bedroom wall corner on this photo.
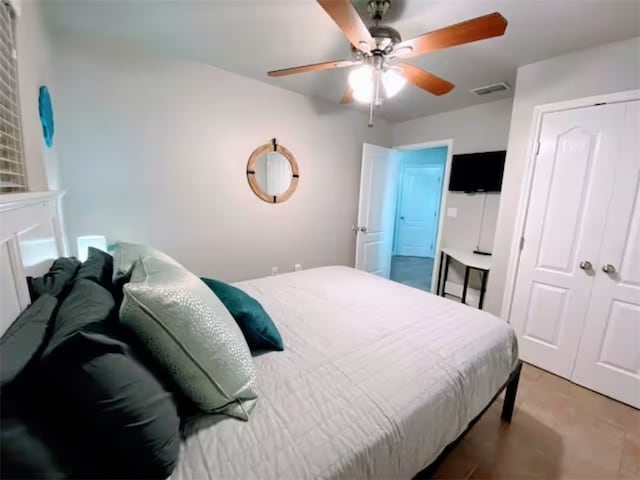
<point>35,68</point>
<point>154,150</point>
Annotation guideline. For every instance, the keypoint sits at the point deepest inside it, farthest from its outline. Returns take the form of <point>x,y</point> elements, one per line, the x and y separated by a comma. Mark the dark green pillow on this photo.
<point>130,417</point>
<point>257,327</point>
<point>34,442</point>
<point>56,281</point>
<point>24,339</point>
<point>28,445</point>
<point>98,267</point>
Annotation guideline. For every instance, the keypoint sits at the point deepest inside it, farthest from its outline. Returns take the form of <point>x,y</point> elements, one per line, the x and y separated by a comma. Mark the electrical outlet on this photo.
<point>297,267</point>
<point>274,270</point>
<point>452,212</point>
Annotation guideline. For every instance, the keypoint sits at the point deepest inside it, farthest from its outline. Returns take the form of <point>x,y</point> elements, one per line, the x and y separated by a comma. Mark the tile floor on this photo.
<point>559,431</point>
<point>413,271</point>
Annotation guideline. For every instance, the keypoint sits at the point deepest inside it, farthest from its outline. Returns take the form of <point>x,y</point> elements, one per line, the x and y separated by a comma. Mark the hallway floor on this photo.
<point>413,271</point>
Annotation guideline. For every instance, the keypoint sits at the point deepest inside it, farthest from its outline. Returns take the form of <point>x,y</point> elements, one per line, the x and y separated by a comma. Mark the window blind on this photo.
<point>12,172</point>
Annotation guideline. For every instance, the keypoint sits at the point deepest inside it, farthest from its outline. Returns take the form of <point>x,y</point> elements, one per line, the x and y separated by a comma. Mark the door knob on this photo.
<point>401,218</point>
<point>609,269</point>
<point>586,265</point>
<point>363,229</point>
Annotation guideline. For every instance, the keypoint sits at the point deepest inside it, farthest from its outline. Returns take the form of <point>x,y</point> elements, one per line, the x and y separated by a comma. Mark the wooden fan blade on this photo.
<point>488,26</point>
<point>425,80</point>
<point>314,67</point>
<point>347,97</point>
<point>344,14</point>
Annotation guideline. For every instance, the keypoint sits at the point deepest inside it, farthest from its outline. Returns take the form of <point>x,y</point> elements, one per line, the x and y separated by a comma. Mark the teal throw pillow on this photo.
<point>256,325</point>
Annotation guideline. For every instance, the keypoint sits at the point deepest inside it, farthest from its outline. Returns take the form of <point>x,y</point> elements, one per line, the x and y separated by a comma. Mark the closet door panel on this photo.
<point>609,355</point>
<point>567,211</point>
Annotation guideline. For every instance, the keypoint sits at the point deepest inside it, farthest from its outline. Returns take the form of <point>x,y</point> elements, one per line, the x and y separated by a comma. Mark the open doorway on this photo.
<point>419,186</point>
<point>400,211</point>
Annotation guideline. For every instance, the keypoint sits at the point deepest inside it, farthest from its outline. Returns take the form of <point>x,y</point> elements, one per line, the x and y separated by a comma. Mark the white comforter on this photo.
<point>375,380</point>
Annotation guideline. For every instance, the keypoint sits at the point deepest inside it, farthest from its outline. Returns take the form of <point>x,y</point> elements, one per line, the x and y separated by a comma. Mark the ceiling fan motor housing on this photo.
<point>386,37</point>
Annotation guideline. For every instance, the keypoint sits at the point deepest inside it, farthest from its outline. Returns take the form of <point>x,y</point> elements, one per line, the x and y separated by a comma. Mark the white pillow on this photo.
<point>125,254</point>
<point>191,335</point>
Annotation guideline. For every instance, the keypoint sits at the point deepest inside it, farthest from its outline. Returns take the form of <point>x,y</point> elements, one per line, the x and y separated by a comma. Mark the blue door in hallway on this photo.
<point>418,208</point>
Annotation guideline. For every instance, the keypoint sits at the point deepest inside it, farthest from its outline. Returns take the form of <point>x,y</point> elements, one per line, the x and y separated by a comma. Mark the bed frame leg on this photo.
<point>510,395</point>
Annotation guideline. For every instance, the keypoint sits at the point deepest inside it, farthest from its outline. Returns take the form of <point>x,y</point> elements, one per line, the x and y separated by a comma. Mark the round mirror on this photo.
<point>272,172</point>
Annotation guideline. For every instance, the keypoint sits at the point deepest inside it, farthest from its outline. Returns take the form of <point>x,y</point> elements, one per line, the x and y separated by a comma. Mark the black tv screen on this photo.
<point>477,172</point>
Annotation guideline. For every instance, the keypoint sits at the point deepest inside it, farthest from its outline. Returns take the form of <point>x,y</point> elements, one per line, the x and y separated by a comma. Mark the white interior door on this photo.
<point>566,218</point>
<point>609,356</point>
<point>417,212</point>
<point>376,210</point>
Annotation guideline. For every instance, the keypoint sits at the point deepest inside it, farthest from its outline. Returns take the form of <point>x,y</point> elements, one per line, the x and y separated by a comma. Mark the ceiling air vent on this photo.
<point>489,89</point>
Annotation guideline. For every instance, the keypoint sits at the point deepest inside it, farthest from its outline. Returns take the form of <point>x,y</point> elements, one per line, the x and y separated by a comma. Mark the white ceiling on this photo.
<point>250,37</point>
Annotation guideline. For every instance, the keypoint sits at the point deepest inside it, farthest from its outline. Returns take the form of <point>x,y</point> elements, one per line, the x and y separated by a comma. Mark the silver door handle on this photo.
<point>586,265</point>
<point>363,229</point>
<point>609,269</point>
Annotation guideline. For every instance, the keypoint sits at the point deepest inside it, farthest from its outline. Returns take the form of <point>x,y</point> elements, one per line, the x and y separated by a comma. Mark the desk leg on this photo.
<point>465,285</point>
<point>483,288</point>
<point>446,274</point>
<point>440,267</point>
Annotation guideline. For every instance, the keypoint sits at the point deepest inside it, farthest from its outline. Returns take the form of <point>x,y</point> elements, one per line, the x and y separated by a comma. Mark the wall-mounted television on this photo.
<point>477,172</point>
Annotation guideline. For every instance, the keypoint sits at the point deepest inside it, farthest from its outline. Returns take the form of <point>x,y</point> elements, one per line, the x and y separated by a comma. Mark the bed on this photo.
<point>376,379</point>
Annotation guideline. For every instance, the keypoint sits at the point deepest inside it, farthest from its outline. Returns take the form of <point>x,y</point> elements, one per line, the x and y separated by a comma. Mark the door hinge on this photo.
<point>538,148</point>
<point>521,243</point>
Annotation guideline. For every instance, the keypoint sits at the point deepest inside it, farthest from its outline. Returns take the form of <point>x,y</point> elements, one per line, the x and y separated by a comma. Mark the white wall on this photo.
<point>479,128</point>
<point>474,129</point>
<point>35,68</point>
<point>605,69</point>
<point>196,125</point>
<point>154,150</point>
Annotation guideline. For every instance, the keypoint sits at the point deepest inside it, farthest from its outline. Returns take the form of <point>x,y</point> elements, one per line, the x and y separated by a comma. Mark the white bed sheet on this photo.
<point>375,380</point>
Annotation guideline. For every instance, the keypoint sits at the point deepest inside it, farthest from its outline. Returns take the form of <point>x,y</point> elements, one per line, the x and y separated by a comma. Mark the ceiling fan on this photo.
<point>379,52</point>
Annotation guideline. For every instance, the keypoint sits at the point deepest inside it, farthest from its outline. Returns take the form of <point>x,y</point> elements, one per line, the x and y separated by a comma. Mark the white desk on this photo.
<point>470,260</point>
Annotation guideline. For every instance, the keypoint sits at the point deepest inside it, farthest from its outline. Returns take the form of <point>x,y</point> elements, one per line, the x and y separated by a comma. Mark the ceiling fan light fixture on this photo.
<point>361,82</point>
<point>403,51</point>
<point>393,82</point>
<point>362,96</point>
<point>364,46</point>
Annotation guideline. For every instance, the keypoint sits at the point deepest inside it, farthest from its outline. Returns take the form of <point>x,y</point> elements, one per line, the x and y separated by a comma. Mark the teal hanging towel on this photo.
<point>46,115</point>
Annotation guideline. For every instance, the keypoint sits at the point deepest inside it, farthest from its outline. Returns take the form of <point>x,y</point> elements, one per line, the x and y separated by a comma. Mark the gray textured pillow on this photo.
<point>125,255</point>
<point>191,336</point>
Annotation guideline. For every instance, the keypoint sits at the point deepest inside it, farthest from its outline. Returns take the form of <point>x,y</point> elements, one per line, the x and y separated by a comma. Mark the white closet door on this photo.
<point>609,356</point>
<point>572,183</point>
